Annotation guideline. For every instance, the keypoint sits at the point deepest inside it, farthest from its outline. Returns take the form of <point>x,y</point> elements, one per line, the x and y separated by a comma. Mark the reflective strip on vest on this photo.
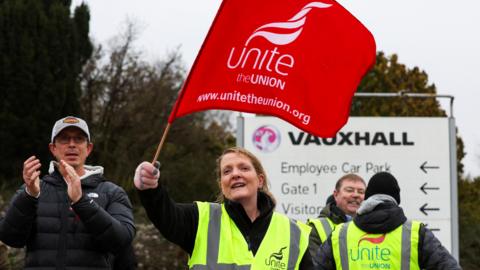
<point>323,226</point>
<point>294,245</point>
<point>406,246</point>
<point>343,246</point>
<point>213,246</point>
<point>326,226</point>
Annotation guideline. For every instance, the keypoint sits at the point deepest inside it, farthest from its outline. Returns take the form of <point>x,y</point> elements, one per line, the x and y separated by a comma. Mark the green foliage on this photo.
<point>469,201</point>
<point>390,76</point>
<point>42,50</point>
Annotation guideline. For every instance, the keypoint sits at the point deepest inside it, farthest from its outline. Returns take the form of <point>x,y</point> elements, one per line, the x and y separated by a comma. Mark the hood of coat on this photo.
<point>379,215</point>
<point>92,177</point>
<point>334,213</point>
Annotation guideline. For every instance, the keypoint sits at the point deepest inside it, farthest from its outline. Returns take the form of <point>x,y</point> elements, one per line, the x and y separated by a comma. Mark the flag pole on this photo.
<point>164,136</point>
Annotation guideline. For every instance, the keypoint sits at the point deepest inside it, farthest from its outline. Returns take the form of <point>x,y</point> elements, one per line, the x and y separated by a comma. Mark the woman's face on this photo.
<point>238,179</point>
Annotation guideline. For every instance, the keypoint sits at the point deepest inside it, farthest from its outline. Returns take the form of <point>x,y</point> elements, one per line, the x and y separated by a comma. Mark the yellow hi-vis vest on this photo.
<point>354,249</point>
<point>324,227</point>
<point>219,244</point>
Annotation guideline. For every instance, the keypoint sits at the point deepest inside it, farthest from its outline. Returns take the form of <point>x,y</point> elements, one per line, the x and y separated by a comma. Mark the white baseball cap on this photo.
<point>70,121</point>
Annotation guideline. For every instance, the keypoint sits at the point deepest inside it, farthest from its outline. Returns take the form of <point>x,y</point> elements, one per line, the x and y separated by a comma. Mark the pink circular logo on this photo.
<point>266,138</point>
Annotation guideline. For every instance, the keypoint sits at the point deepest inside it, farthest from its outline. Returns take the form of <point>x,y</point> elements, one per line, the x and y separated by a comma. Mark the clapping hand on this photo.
<point>74,185</point>
<point>31,175</point>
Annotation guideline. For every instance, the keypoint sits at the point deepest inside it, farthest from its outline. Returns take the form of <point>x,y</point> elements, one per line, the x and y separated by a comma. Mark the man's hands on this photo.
<point>31,175</point>
<point>146,175</point>
<point>31,178</point>
<point>74,185</point>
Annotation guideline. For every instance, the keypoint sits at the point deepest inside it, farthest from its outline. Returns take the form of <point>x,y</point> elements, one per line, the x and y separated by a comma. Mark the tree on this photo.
<point>42,49</point>
<point>127,102</point>
<point>469,200</point>
<point>388,75</point>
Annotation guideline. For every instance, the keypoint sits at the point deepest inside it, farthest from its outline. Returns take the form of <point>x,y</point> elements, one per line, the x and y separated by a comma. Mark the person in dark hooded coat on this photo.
<point>381,237</point>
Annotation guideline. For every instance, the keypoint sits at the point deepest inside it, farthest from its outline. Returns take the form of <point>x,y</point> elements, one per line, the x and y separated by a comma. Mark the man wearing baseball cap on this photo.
<point>381,237</point>
<point>72,217</point>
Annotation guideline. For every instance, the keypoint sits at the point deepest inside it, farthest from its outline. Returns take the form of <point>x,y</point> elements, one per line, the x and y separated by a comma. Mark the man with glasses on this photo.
<point>73,217</point>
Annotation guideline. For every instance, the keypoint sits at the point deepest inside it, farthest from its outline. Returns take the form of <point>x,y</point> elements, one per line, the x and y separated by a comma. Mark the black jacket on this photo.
<point>384,218</point>
<point>58,235</point>
<point>178,222</point>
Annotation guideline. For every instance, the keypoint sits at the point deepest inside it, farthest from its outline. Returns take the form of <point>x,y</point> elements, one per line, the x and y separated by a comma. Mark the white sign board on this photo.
<point>303,169</point>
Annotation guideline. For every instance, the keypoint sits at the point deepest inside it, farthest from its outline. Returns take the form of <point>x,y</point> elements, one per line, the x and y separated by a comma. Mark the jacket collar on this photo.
<point>383,216</point>
<point>252,231</point>
<point>92,177</point>
<point>334,213</point>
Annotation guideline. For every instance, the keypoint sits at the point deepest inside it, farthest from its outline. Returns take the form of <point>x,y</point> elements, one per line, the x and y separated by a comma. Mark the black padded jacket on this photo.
<point>58,235</point>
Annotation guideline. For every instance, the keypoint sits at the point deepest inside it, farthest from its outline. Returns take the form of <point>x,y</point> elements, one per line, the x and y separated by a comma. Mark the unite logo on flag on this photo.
<point>298,60</point>
<point>295,24</point>
<point>271,60</point>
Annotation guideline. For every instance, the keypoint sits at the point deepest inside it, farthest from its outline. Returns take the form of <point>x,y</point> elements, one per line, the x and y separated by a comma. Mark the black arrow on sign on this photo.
<point>424,187</point>
<point>424,166</point>
<point>432,229</point>
<point>424,209</point>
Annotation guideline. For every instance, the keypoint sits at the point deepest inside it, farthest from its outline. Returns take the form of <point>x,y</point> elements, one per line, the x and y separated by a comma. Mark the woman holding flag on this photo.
<point>241,231</point>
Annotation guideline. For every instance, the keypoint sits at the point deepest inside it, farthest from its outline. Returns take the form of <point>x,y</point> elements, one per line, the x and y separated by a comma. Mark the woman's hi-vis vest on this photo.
<point>324,227</point>
<point>354,249</point>
<point>219,244</point>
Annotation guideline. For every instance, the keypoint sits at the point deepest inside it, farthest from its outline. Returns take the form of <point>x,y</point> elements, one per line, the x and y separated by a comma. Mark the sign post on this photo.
<point>419,152</point>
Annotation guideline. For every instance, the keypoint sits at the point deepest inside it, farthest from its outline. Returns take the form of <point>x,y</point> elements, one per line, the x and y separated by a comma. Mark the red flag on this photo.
<point>298,60</point>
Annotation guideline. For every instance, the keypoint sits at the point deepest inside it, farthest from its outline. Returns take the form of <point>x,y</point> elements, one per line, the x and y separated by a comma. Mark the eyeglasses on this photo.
<point>67,139</point>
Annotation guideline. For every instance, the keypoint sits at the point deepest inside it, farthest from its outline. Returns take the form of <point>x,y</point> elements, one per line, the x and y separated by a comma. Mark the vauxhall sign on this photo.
<point>419,152</point>
<point>352,138</point>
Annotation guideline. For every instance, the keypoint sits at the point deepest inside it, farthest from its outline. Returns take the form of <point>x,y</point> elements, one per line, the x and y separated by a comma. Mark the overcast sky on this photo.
<point>440,37</point>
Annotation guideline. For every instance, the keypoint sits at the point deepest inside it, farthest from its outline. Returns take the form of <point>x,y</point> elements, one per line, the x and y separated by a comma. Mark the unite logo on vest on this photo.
<point>274,262</point>
<point>371,255</point>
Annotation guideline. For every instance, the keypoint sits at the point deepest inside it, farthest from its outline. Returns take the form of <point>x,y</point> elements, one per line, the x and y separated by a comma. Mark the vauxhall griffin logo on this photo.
<point>271,66</point>
<point>275,260</point>
<point>266,138</point>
